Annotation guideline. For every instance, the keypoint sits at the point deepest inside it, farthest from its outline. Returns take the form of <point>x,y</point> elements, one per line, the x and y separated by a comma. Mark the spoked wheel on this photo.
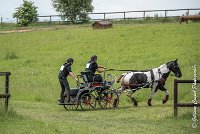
<point>87,101</point>
<point>108,99</point>
<point>70,106</point>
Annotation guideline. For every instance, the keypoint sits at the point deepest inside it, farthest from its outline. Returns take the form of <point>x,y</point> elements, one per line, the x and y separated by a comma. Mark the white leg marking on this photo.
<point>153,90</point>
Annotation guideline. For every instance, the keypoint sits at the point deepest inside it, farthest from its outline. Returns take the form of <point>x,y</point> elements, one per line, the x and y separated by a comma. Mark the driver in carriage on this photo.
<point>92,67</point>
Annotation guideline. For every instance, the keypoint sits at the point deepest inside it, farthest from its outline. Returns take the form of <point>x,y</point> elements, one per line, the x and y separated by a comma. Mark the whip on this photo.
<point>109,57</point>
<point>107,62</point>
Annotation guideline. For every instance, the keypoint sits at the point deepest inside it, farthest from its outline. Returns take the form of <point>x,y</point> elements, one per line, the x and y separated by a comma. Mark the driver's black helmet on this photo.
<point>93,57</point>
<point>70,60</point>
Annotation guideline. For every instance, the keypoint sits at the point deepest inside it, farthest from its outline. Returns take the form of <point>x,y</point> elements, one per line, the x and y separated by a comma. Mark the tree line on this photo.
<point>71,10</point>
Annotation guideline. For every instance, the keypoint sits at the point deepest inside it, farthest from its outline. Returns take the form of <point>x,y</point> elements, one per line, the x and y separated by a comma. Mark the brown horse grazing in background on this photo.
<point>190,17</point>
<point>154,79</point>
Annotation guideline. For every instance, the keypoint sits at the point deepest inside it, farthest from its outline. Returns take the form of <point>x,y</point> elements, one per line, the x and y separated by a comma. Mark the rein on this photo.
<point>127,70</point>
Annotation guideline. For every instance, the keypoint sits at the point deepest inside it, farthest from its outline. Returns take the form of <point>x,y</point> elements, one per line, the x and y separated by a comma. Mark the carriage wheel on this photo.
<point>71,106</point>
<point>108,99</point>
<point>87,101</point>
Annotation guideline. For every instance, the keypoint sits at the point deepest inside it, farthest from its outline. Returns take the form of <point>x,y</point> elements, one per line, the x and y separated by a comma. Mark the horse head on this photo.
<point>174,67</point>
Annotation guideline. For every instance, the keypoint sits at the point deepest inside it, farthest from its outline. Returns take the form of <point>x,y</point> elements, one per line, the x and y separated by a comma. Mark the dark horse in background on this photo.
<point>154,79</point>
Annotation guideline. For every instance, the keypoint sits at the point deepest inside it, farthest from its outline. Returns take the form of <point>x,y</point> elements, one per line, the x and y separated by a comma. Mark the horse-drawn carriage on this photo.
<point>90,93</point>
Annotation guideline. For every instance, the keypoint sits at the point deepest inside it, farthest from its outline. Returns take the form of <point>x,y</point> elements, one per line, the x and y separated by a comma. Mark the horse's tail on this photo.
<point>119,78</point>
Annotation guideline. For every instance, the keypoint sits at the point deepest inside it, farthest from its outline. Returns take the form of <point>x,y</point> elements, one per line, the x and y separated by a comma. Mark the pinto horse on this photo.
<point>154,79</point>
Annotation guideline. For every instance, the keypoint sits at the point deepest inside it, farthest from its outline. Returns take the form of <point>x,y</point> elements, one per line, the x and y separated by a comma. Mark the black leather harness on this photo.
<point>152,75</point>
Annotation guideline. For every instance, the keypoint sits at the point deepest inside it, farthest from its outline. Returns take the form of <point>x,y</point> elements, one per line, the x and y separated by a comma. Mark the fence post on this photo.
<point>50,19</point>
<point>1,20</point>
<point>188,12</point>
<point>6,96</point>
<point>175,97</point>
<point>7,90</point>
<point>165,14</point>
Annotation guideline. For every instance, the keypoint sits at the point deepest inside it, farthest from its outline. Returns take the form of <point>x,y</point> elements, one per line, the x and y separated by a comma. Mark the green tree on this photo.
<point>26,13</point>
<point>73,10</point>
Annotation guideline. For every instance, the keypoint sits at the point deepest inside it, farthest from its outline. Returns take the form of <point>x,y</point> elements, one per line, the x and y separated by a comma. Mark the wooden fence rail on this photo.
<point>124,14</point>
<point>176,104</point>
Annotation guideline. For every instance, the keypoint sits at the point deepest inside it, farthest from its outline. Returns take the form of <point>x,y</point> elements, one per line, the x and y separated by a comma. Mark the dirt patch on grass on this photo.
<point>26,30</point>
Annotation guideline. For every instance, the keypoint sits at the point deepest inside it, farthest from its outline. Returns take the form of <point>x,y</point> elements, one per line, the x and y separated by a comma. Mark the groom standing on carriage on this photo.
<point>65,70</point>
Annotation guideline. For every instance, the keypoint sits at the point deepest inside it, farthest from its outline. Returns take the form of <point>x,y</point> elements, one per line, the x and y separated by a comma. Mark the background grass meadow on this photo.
<point>34,59</point>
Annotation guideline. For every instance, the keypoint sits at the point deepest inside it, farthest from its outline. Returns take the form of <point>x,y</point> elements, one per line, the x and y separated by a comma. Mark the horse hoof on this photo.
<point>115,103</point>
<point>135,104</point>
<point>149,102</point>
<point>134,101</point>
<point>166,99</point>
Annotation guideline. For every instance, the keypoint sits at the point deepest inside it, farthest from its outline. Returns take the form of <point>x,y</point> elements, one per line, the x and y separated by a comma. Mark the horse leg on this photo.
<point>135,103</point>
<point>161,84</point>
<point>153,91</point>
<point>181,20</point>
<point>162,88</point>
<point>119,92</point>
<point>166,97</point>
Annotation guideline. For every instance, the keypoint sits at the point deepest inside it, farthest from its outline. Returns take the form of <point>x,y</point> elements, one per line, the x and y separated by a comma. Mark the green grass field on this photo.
<point>34,59</point>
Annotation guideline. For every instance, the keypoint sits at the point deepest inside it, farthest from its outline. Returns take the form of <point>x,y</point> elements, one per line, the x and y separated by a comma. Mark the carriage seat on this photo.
<point>90,77</point>
<point>93,80</point>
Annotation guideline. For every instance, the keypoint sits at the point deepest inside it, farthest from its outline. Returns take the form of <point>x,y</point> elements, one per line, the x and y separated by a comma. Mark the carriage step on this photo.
<point>70,103</point>
<point>4,95</point>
